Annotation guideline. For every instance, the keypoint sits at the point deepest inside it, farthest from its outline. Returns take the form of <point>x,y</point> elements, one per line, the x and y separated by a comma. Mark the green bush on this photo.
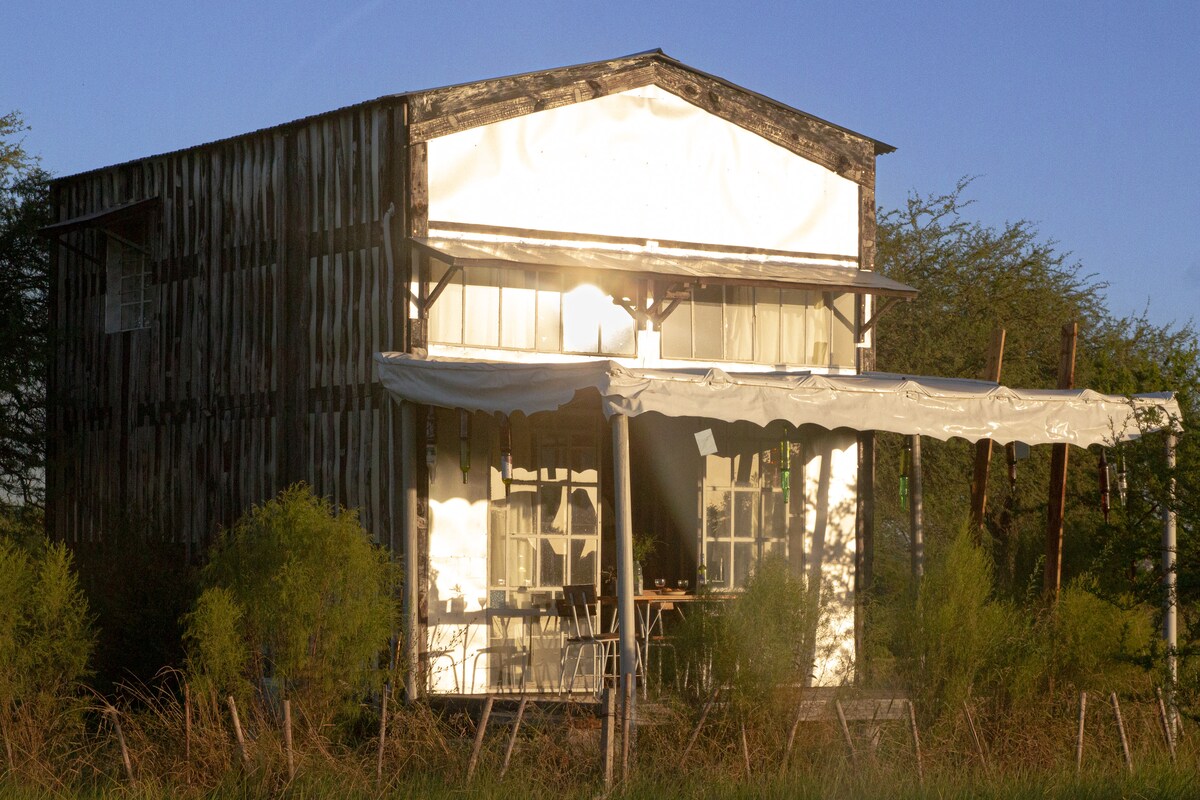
<point>296,600</point>
<point>46,640</point>
<point>759,642</point>
<point>959,639</point>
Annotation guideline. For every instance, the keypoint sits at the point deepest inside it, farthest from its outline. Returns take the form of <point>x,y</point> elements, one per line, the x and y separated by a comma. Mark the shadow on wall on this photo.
<point>138,585</point>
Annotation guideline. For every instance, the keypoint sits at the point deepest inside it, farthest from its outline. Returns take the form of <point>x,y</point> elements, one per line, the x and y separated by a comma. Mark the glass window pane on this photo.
<point>520,561</point>
<point>520,509</point>
<point>716,514</point>
<point>743,559</point>
<point>792,306</point>
<point>766,326</point>
<point>716,562</point>
<point>709,324</point>
<point>582,308</point>
<point>481,308</point>
<point>843,330</point>
<point>517,309</point>
<point>497,542</point>
<point>446,314</point>
<point>745,515</point>
<point>819,318</point>
<point>677,332</point>
<point>739,323</point>
<point>718,470</point>
<point>553,509</point>
<point>616,331</point>
<point>774,510</point>
<point>553,562</point>
<point>584,565</point>
<point>549,301</point>
<point>584,505</point>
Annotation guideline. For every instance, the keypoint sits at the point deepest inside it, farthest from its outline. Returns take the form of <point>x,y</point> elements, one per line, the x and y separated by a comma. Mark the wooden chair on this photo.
<point>579,616</point>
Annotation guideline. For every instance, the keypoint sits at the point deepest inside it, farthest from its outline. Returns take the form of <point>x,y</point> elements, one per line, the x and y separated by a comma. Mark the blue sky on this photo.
<point>1082,117</point>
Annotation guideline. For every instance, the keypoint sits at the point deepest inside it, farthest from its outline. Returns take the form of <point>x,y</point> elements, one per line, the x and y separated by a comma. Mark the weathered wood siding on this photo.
<point>272,293</point>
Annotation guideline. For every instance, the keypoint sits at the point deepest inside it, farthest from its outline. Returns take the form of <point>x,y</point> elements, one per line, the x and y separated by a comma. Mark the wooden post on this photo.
<point>1079,736</point>
<point>608,735</point>
<point>745,750</point>
<point>699,724</point>
<point>237,731</point>
<point>1121,731</point>
<point>974,734</point>
<point>408,482</point>
<point>916,737</point>
<point>125,759</point>
<point>478,745</point>
<point>791,740</point>
<point>983,448</point>
<point>628,694</point>
<point>916,521</point>
<point>383,712</point>
<point>841,715</point>
<point>1052,578</point>
<point>512,737</point>
<point>1165,720</point>
<point>1170,594</point>
<point>626,613</point>
<point>287,740</point>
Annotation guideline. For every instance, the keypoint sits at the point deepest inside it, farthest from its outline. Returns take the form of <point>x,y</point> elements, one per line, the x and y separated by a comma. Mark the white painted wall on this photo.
<point>646,164</point>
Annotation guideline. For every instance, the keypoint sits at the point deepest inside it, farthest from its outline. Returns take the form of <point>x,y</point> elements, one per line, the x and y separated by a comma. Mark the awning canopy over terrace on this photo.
<point>942,408</point>
<point>726,267</point>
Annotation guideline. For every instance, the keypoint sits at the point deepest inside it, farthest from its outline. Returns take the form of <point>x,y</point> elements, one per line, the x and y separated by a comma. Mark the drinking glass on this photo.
<point>659,583</point>
<point>682,584</point>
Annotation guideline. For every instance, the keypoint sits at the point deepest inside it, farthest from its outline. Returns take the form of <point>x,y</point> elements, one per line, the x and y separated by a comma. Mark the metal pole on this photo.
<point>626,618</point>
<point>1170,596</point>
<point>915,517</point>
<point>408,484</point>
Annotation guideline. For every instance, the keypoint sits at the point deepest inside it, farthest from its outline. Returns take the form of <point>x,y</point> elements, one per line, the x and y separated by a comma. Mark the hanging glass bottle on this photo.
<point>506,459</point>
<point>430,441</point>
<point>785,466</point>
<point>464,442</point>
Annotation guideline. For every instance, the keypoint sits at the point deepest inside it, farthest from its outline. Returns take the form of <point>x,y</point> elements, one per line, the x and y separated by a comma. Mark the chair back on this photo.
<point>584,606</point>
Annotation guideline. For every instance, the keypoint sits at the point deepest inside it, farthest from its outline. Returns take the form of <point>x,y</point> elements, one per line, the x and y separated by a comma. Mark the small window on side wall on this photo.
<point>128,281</point>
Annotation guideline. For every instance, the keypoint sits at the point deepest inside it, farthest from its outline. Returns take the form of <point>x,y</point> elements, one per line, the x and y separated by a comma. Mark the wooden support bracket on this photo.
<point>884,305</point>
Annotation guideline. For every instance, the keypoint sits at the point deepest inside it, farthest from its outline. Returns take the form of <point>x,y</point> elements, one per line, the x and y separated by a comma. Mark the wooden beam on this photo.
<point>1052,578</point>
<point>408,532</point>
<point>916,519</point>
<point>887,303</point>
<point>983,448</point>
<point>626,615</point>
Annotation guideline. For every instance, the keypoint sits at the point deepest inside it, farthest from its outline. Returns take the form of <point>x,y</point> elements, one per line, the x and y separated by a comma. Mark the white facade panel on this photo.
<point>645,164</point>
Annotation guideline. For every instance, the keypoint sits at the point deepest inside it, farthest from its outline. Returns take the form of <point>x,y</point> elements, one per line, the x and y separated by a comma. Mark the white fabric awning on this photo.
<point>939,407</point>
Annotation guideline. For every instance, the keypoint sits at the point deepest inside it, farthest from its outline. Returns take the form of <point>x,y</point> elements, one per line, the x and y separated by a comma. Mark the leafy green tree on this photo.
<point>974,278</point>
<point>296,600</point>
<point>24,285</point>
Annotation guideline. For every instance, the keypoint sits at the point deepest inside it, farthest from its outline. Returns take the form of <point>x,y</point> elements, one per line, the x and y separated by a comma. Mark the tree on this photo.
<point>24,287</point>
<point>297,600</point>
<point>972,279</point>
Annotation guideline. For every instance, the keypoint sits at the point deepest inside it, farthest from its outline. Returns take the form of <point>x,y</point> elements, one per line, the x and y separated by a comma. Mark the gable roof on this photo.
<point>447,109</point>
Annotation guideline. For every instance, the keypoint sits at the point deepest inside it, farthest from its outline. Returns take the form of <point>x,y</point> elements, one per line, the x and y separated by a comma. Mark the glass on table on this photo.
<point>660,583</point>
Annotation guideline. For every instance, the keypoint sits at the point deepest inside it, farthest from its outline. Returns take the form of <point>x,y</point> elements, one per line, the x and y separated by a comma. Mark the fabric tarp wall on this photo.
<point>942,408</point>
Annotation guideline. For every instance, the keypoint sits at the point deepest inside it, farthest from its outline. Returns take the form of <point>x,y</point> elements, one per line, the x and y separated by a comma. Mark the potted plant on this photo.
<point>643,546</point>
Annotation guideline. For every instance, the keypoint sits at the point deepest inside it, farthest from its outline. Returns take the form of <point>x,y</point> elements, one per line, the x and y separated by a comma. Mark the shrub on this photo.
<point>296,599</point>
<point>46,640</point>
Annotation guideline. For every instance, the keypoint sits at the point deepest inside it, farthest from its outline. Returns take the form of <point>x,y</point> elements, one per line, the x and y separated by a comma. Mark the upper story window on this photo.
<point>128,277</point>
<point>763,326</point>
<point>515,309</point>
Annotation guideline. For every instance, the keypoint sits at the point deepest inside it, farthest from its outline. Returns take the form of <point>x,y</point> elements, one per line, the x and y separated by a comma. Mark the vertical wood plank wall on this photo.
<point>272,295</point>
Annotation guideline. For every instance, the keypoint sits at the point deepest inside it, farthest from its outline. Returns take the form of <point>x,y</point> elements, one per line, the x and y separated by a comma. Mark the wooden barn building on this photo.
<point>517,323</point>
